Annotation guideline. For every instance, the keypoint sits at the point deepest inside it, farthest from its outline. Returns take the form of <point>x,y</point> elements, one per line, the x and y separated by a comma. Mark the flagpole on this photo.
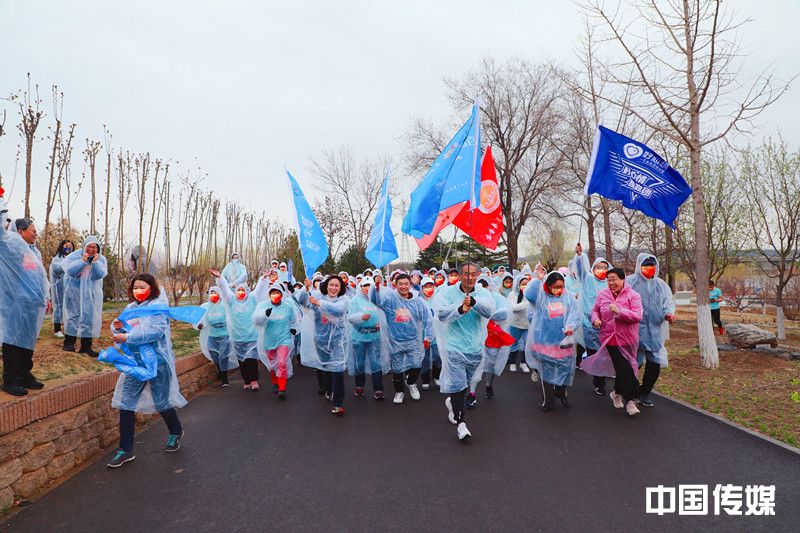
<point>385,193</point>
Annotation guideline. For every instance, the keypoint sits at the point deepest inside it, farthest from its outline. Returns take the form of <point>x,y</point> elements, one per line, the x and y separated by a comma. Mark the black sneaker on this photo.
<point>599,391</point>
<point>90,353</point>
<point>471,401</point>
<point>120,458</point>
<point>32,383</point>
<point>489,392</point>
<point>174,443</point>
<point>14,390</point>
<point>281,394</point>
<point>69,347</point>
<point>646,400</point>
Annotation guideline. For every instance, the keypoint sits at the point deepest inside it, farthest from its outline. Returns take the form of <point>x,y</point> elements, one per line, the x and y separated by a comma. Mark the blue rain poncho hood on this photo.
<point>276,329</point>
<point>589,287</point>
<point>325,341</point>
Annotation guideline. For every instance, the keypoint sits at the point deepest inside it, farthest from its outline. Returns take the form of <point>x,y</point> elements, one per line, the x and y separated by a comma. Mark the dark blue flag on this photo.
<point>626,170</point>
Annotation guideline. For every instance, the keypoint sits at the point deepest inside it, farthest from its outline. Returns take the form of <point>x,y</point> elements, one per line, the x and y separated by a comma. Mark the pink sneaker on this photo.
<point>246,386</point>
<point>254,385</point>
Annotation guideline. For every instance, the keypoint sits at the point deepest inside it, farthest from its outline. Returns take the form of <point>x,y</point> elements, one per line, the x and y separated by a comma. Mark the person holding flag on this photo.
<point>463,311</point>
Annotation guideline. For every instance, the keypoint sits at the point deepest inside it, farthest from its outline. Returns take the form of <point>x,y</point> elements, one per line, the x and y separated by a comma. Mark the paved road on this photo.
<point>251,463</point>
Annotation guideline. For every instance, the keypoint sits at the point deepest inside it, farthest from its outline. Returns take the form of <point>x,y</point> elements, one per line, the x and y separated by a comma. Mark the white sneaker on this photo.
<point>524,368</point>
<point>398,397</point>
<point>631,408</point>
<point>413,390</point>
<point>426,386</point>
<point>59,335</point>
<point>617,399</point>
<point>534,376</point>
<point>436,382</point>
<point>450,414</point>
<point>463,432</point>
<point>512,368</point>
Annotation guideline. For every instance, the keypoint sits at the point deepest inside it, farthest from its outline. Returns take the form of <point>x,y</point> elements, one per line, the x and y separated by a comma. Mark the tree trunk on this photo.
<point>670,272</point>
<point>779,315</point>
<point>705,329</point>
<point>28,163</point>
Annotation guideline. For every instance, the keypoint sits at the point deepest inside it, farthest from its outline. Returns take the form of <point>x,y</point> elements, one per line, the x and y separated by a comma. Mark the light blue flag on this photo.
<point>313,246</point>
<point>454,177</point>
<point>381,248</point>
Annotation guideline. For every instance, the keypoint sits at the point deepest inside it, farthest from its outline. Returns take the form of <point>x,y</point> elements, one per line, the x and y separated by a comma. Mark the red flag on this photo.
<point>484,224</point>
<point>444,219</point>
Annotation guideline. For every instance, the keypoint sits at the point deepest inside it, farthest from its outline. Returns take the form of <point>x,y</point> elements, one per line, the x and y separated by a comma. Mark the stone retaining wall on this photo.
<point>45,436</point>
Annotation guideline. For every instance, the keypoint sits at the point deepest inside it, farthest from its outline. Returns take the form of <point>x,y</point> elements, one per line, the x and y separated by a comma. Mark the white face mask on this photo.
<point>235,261</point>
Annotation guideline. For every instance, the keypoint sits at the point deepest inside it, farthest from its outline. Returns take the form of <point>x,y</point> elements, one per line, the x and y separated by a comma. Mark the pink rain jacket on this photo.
<point>621,330</point>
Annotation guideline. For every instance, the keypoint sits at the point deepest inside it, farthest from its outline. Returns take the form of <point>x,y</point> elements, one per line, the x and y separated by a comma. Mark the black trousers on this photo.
<point>457,402</point>
<point>56,327</point>
<point>377,380</point>
<point>598,381</point>
<point>334,385</point>
<point>17,364</point>
<point>399,380</point>
<point>716,317</point>
<point>249,370</point>
<point>625,383</point>
<point>127,426</point>
<point>434,373</point>
<point>651,373</point>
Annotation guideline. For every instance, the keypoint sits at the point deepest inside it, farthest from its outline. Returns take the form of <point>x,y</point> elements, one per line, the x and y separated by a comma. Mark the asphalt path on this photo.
<point>250,462</point>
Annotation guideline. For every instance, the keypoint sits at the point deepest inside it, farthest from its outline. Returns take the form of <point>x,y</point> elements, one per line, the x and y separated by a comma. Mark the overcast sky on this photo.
<point>246,88</point>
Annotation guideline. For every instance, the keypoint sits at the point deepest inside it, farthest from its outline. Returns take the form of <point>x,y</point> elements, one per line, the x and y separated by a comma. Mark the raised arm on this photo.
<point>261,290</point>
<point>225,290</point>
<point>532,292</point>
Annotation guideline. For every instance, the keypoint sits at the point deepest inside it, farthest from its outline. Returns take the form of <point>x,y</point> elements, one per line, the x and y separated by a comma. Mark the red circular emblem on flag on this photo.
<point>490,197</point>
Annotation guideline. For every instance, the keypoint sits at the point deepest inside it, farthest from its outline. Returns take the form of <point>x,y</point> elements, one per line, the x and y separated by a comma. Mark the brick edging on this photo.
<point>17,414</point>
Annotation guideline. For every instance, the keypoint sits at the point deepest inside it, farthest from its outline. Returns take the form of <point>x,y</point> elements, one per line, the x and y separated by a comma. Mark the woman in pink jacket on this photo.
<point>617,313</point>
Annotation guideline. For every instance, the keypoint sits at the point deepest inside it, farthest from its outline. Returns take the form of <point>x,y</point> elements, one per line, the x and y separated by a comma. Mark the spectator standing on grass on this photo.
<point>84,271</point>
<point>65,248</point>
<point>715,297</point>
<point>24,295</point>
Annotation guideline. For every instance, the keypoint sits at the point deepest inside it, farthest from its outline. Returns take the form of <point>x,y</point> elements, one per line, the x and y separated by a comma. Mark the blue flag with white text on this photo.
<point>454,177</point>
<point>626,170</point>
<point>381,247</point>
<point>313,246</point>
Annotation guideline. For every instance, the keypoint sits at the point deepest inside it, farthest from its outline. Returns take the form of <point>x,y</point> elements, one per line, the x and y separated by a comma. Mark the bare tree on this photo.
<point>356,185</point>
<point>107,205</point>
<point>520,116</point>
<point>331,214</point>
<point>685,85</point>
<point>726,208</point>
<point>90,153</point>
<point>31,115</point>
<point>772,185</point>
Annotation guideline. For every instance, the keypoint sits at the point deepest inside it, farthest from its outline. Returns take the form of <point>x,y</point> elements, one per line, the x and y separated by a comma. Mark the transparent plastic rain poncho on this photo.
<point>57,287</point>
<point>461,338</point>
<point>149,337</point>
<point>276,330</point>
<point>24,289</point>
<point>83,292</point>
<point>432,358</point>
<point>495,357</point>
<point>500,280</point>
<point>325,342</point>
<point>405,325</point>
<point>549,349</point>
<point>241,330</point>
<point>657,303</point>
<point>370,352</point>
<point>215,343</point>
<point>590,286</point>
<point>621,328</point>
<point>235,272</point>
<point>571,282</point>
<point>518,326</point>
